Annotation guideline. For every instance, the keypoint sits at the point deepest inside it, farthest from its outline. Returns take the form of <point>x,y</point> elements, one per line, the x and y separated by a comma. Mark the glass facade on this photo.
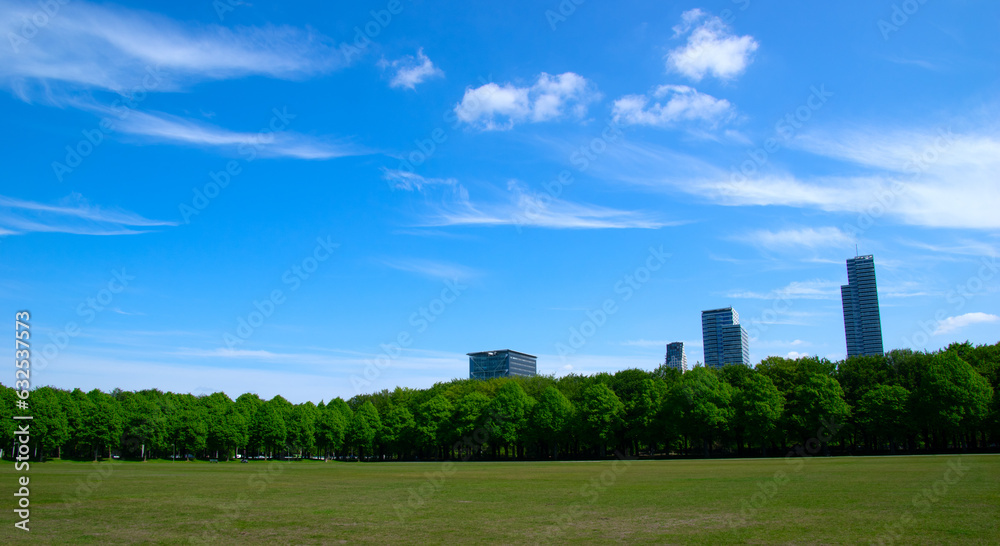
<point>676,358</point>
<point>862,322</point>
<point>505,363</point>
<point>726,341</point>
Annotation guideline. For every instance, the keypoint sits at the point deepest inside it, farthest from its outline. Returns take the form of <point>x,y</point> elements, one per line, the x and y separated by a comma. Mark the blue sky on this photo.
<point>322,199</point>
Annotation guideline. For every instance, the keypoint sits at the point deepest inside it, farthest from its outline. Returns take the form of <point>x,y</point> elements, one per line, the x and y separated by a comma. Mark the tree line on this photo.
<point>902,402</point>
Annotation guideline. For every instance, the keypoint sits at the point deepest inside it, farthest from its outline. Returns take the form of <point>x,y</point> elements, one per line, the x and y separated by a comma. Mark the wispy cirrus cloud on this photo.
<point>267,143</point>
<point>74,215</point>
<point>798,239</point>
<point>518,207</point>
<point>963,247</point>
<point>674,104</point>
<point>109,47</point>
<point>410,181</point>
<point>711,48</point>
<point>816,289</point>
<point>412,71</point>
<point>930,178</point>
<point>433,269</point>
<point>492,106</point>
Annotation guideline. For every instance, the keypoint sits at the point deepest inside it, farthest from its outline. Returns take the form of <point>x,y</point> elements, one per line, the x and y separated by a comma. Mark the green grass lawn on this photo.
<point>817,500</point>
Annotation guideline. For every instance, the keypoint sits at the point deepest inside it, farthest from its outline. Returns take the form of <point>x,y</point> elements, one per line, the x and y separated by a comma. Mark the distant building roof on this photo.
<point>481,353</point>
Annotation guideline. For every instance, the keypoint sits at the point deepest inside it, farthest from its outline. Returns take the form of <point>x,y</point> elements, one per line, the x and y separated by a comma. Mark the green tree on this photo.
<point>433,419</point>
<point>509,414</point>
<point>470,422</point>
<point>757,406</point>
<point>600,412</point>
<point>552,418</point>
<point>884,413</point>
<point>331,426</point>
<point>268,430</point>
<point>50,427</point>
<point>225,425</point>
<point>701,405</point>
<point>102,422</point>
<point>344,409</point>
<point>144,424</point>
<point>302,428</point>
<point>817,408</point>
<point>7,404</point>
<point>192,431</point>
<point>398,429</point>
<point>641,396</point>
<point>364,428</point>
<point>954,398</point>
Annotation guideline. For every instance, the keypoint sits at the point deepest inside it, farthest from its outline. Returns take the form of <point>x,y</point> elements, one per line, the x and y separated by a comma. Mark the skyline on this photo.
<point>323,200</point>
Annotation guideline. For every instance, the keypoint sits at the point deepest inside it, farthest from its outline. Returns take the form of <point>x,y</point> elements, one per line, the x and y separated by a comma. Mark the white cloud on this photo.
<point>493,106</point>
<point>793,239</point>
<point>431,268</point>
<point>266,143</point>
<point>951,324</point>
<point>410,181</point>
<point>964,247</point>
<point>114,48</point>
<point>808,290</point>
<point>682,103</point>
<point>711,48</point>
<point>927,178</point>
<point>906,289</point>
<point>74,216</point>
<point>520,207</point>
<point>411,71</point>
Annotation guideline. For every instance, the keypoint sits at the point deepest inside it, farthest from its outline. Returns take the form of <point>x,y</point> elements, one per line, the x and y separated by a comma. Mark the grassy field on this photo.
<point>932,499</point>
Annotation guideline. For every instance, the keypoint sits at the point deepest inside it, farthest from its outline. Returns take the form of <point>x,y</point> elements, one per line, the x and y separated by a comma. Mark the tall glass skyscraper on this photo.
<point>726,341</point>
<point>675,356</point>
<point>862,324</point>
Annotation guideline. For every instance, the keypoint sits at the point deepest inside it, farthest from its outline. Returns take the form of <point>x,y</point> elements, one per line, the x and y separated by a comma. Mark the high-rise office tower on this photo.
<point>862,325</point>
<point>505,363</point>
<point>675,356</point>
<point>726,341</point>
